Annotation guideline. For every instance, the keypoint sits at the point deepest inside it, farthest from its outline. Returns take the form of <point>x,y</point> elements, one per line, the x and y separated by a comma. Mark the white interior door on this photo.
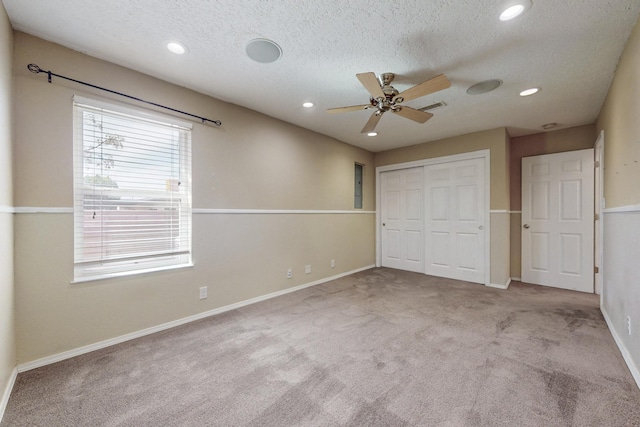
<point>402,230</point>
<point>455,215</point>
<point>558,220</point>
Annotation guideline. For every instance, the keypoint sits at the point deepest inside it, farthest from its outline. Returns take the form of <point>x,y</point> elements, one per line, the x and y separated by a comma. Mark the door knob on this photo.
<point>383,224</point>
<point>526,226</point>
<point>480,228</point>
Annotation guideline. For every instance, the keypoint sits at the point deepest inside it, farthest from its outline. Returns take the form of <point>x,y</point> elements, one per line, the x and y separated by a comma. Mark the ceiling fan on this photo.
<point>385,97</point>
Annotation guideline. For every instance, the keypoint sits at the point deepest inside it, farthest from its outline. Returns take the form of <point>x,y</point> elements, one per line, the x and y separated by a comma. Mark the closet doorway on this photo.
<point>433,216</point>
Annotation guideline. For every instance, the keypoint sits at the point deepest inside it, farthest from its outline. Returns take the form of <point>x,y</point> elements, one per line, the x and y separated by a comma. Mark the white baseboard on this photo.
<point>117,340</point>
<point>625,353</point>
<point>500,286</point>
<point>7,392</point>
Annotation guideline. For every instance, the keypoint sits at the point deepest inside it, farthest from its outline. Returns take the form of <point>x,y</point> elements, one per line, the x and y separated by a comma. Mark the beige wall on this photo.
<point>571,139</point>
<point>576,138</point>
<point>251,162</point>
<point>495,140</point>
<point>620,121</point>
<point>7,329</point>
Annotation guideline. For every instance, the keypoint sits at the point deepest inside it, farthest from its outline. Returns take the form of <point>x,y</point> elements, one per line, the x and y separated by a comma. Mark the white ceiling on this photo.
<point>569,48</point>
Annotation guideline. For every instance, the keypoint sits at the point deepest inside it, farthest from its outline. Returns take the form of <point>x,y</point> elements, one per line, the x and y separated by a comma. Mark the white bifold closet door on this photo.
<point>455,220</point>
<point>402,228</point>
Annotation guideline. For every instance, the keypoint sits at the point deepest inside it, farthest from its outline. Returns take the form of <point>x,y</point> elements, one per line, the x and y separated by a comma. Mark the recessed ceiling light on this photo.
<point>529,91</point>
<point>511,12</point>
<point>372,134</point>
<point>307,104</point>
<point>484,87</point>
<point>176,47</point>
<point>549,126</point>
<point>514,9</point>
<point>263,50</point>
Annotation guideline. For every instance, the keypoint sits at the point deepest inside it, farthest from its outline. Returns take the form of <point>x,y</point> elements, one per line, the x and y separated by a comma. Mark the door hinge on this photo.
<point>596,270</point>
<point>597,163</point>
<point>597,217</point>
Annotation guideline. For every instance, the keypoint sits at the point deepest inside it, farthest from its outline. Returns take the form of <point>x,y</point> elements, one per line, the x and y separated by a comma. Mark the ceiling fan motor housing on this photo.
<point>390,95</point>
<point>385,82</point>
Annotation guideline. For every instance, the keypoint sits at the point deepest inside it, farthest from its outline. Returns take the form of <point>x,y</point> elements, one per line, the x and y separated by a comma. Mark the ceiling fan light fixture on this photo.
<point>529,92</point>
<point>372,134</point>
<point>263,50</point>
<point>548,126</point>
<point>514,9</point>
<point>307,104</point>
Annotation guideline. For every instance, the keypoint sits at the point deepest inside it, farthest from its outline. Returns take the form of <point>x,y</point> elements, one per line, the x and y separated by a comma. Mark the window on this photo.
<point>357,200</point>
<point>132,191</point>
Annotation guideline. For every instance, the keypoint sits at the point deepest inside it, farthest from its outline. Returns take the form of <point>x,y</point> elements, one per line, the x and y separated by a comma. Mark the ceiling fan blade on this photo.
<point>345,109</point>
<point>372,123</point>
<point>371,83</point>
<point>413,114</point>
<point>425,88</point>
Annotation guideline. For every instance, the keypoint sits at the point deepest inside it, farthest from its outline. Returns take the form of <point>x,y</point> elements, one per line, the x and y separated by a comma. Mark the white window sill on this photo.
<point>130,273</point>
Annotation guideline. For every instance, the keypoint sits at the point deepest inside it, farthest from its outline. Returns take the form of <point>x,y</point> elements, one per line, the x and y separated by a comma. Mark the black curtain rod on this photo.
<point>35,69</point>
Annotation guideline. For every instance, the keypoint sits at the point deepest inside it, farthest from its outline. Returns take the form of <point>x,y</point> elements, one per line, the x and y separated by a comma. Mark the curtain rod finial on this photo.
<point>34,68</point>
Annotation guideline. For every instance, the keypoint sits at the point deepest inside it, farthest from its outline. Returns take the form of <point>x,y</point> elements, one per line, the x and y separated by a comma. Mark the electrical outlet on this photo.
<point>307,269</point>
<point>289,273</point>
<point>203,292</point>
<point>333,263</point>
<point>629,325</point>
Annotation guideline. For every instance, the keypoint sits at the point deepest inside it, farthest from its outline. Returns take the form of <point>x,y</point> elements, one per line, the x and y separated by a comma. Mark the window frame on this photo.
<point>131,264</point>
<point>358,192</point>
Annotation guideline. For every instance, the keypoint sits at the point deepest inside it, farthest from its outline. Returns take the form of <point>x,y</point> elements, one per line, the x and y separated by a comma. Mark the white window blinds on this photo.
<point>132,191</point>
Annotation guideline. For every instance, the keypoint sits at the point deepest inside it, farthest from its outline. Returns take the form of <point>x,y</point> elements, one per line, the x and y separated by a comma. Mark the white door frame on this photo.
<point>480,154</point>
<point>599,205</point>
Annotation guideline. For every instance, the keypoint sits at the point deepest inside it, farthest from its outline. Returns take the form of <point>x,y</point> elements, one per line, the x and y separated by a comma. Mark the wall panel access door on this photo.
<point>558,220</point>
<point>455,215</point>
<point>402,231</point>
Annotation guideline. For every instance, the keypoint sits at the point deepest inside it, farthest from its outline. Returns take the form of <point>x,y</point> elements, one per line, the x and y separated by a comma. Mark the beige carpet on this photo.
<point>378,348</point>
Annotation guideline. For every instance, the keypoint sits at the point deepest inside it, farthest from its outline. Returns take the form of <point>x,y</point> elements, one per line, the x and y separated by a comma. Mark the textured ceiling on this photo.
<point>569,48</point>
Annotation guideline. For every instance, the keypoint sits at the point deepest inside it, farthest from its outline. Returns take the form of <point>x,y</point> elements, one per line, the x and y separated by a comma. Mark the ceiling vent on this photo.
<point>433,106</point>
